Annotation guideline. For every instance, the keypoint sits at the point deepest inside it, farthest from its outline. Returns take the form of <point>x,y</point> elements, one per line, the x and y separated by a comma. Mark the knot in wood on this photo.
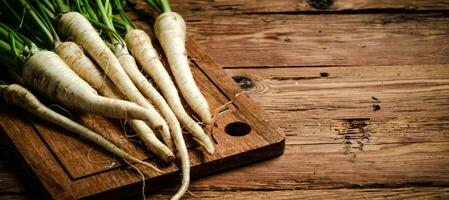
<point>320,4</point>
<point>324,74</point>
<point>244,82</point>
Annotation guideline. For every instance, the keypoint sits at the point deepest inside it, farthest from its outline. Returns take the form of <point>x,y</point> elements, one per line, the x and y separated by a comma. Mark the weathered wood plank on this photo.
<point>327,166</point>
<point>260,40</point>
<point>323,40</point>
<point>194,7</point>
<point>20,197</point>
<point>377,104</point>
<point>9,182</point>
<point>9,170</point>
<point>198,9</point>
<point>400,193</point>
<point>394,150</point>
<point>48,172</point>
<point>389,165</point>
<point>394,193</point>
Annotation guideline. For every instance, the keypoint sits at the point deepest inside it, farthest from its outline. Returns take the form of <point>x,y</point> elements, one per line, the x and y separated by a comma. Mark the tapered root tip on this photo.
<point>209,121</point>
<point>170,159</point>
<point>151,166</point>
<point>207,144</point>
<point>210,149</point>
<point>164,132</point>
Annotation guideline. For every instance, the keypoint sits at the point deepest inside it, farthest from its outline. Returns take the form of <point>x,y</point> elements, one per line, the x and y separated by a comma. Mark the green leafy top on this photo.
<point>33,20</point>
<point>99,13</point>
<point>123,23</point>
<point>160,6</point>
<point>15,49</point>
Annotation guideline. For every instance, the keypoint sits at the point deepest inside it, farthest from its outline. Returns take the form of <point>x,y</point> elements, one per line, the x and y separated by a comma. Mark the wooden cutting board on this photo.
<point>68,167</point>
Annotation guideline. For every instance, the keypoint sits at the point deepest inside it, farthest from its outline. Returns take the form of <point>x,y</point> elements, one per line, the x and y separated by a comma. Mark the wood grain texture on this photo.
<point>339,194</point>
<point>413,102</point>
<point>195,7</point>
<point>239,39</point>
<point>315,72</point>
<point>45,168</point>
<point>328,166</point>
<point>324,40</point>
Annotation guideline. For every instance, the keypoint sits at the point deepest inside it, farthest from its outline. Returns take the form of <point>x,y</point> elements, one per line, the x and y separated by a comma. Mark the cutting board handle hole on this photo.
<point>237,129</point>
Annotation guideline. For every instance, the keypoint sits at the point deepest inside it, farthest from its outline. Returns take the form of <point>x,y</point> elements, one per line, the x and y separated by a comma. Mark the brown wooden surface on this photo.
<point>361,89</point>
<point>289,6</point>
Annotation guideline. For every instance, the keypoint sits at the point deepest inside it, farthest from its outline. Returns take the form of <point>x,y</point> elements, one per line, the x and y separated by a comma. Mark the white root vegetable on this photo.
<point>49,74</point>
<point>74,56</point>
<point>151,141</point>
<point>170,29</point>
<point>142,49</point>
<point>182,153</point>
<point>140,46</point>
<point>147,89</point>
<point>18,96</point>
<point>75,26</point>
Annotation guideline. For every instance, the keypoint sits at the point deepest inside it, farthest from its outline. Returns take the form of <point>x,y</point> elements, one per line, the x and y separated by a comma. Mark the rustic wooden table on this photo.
<point>360,88</point>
